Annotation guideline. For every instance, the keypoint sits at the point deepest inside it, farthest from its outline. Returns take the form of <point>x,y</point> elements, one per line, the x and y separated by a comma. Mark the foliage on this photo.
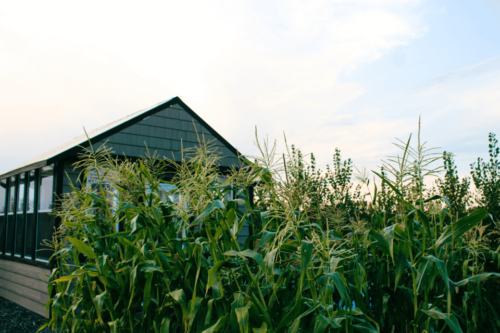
<point>486,176</point>
<point>457,191</point>
<point>321,259</point>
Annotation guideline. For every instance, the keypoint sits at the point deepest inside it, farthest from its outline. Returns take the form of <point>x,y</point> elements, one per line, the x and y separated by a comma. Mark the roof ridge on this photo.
<point>81,139</point>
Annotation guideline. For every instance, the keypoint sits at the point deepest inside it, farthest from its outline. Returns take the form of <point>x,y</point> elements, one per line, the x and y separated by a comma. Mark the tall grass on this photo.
<point>323,258</point>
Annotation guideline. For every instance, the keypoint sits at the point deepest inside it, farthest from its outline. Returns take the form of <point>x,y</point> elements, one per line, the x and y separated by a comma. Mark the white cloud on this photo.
<point>458,111</point>
<point>238,64</point>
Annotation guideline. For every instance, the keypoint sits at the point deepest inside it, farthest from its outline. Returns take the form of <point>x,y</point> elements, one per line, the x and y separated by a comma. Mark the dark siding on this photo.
<point>163,132</point>
<point>70,175</point>
<point>25,285</point>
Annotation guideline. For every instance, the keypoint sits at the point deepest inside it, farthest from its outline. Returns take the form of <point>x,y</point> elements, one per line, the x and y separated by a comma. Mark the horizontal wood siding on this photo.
<point>163,132</point>
<point>244,233</point>
<point>25,285</point>
<point>71,175</point>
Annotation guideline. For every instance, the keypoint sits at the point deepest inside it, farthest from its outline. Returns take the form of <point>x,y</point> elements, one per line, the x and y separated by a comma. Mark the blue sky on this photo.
<point>339,73</point>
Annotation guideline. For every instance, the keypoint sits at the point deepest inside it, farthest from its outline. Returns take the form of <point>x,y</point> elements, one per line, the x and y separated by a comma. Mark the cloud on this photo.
<point>291,78</point>
<point>458,110</point>
<point>275,65</point>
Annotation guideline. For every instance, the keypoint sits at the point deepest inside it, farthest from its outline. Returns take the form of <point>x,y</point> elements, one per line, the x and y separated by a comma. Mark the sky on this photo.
<point>349,74</point>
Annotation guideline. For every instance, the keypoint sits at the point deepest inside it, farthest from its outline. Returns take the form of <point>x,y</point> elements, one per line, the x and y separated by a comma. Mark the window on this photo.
<point>11,226</point>
<point>19,238</point>
<point>165,190</point>
<point>30,216</point>
<point>111,192</point>
<point>46,225</point>
<point>3,210</point>
<point>46,191</point>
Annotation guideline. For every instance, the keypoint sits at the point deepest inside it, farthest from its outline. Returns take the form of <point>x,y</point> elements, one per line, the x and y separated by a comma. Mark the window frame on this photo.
<point>38,204</point>
<point>29,179</point>
<point>6,208</point>
<point>21,212</point>
<point>10,250</point>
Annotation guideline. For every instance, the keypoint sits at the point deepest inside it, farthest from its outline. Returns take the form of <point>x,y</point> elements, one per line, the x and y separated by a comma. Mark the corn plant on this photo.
<point>136,253</point>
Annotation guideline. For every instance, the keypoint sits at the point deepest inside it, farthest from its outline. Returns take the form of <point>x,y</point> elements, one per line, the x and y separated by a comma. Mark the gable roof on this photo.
<point>73,146</point>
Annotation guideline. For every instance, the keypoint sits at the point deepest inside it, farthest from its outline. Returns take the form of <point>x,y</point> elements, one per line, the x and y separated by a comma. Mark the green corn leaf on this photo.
<point>422,317</point>
<point>292,315</point>
<point>381,242</point>
<point>365,327</point>
<point>388,233</point>
<point>400,234</point>
<point>322,324</point>
<point>232,220</point>
<point>262,329</point>
<point>422,273</point>
<point>442,269</point>
<point>406,203</point>
<point>82,248</point>
<point>66,278</point>
<point>435,197</point>
<point>134,224</point>
<point>239,301</point>
<point>425,221</point>
<point>290,246</point>
<point>213,273</point>
<point>385,303</point>
<point>248,254</point>
<point>147,292</point>
<point>451,320</point>
<point>339,284</point>
<point>266,175</point>
<point>71,224</point>
<point>269,264</point>
<point>113,326</point>
<point>463,225</point>
<point>265,238</point>
<point>326,292</point>
<point>401,265</point>
<point>43,326</point>
<point>180,297</point>
<point>388,182</point>
<point>208,317</point>
<point>218,325</point>
<point>193,310</point>
<point>148,267</point>
<point>99,305</point>
<point>306,250</point>
<point>117,234</point>
<point>96,197</point>
<point>216,204</point>
<point>243,318</point>
<point>476,278</point>
<point>165,325</point>
<point>294,328</point>
<point>496,317</point>
<point>52,277</point>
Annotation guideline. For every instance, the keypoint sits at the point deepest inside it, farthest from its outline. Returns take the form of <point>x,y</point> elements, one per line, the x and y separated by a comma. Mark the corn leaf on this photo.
<point>82,248</point>
<point>463,225</point>
<point>451,320</point>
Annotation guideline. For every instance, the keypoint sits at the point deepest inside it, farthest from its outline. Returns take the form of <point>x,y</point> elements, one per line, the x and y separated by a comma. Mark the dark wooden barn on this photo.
<point>28,191</point>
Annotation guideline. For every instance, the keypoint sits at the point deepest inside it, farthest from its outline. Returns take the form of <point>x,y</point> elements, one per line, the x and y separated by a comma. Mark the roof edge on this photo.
<point>210,129</point>
<point>75,149</point>
<point>22,169</point>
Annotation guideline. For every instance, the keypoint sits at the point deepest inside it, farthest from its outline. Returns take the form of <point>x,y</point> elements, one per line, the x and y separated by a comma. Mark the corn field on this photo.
<point>387,253</point>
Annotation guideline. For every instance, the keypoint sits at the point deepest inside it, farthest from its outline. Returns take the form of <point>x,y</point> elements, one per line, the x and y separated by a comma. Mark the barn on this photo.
<point>28,191</point>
